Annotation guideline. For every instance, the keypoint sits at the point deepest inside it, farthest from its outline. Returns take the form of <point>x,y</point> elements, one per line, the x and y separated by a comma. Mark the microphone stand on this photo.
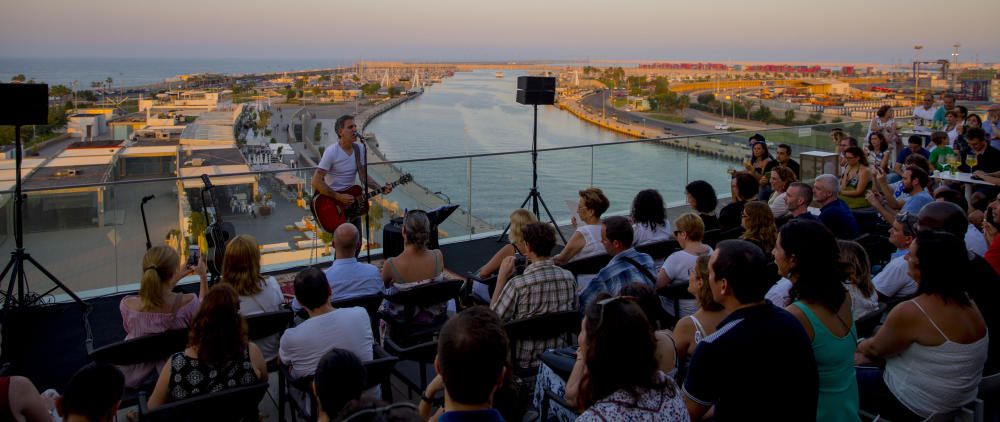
<point>368,224</point>
<point>145,227</point>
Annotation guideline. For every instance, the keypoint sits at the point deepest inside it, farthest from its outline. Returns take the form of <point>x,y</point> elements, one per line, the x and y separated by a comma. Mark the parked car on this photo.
<point>689,120</point>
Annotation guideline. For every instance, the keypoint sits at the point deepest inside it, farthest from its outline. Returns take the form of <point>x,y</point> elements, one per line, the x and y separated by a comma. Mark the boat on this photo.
<point>499,74</point>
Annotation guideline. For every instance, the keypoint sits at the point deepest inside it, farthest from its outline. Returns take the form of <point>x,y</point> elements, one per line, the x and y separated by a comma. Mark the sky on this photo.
<point>883,31</point>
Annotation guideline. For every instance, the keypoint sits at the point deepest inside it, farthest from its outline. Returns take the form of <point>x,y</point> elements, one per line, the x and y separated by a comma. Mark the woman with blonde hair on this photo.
<point>689,230</point>
<point>241,269</point>
<point>586,240</point>
<point>864,298</point>
<point>693,328</point>
<point>157,308</point>
<point>758,225</point>
<point>518,219</point>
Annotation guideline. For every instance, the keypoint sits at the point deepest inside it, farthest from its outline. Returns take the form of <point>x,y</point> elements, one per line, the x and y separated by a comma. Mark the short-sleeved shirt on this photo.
<point>341,168</point>
<point>916,202</point>
<point>642,235</point>
<point>679,264</point>
<point>759,355</point>
<point>901,159</point>
<point>837,217</point>
<point>304,345</point>
<point>894,280</point>
<point>269,299</point>
<point>543,288</point>
<point>349,278</point>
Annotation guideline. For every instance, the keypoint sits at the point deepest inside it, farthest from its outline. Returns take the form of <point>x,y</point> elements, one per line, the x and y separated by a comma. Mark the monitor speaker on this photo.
<point>24,104</point>
<point>536,90</point>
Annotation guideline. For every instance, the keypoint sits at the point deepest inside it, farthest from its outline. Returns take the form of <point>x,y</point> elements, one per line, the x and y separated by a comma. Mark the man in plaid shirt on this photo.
<point>543,288</point>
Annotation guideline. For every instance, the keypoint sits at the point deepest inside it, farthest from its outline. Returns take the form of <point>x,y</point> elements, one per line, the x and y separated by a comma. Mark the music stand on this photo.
<point>535,90</point>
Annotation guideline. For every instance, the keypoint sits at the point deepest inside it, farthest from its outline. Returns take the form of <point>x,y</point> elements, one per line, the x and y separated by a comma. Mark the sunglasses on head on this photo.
<point>606,301</point>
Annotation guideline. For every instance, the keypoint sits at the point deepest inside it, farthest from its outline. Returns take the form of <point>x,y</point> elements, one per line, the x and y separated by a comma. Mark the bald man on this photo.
<point>982,283</point>
<point>349,278</point>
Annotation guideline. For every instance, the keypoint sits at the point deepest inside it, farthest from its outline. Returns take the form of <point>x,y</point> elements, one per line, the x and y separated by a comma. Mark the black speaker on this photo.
<point>24,104</point>
<point>536,90</point>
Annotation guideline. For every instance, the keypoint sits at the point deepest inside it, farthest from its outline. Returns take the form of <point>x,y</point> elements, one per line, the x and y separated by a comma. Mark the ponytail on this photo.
<point>158,267</point>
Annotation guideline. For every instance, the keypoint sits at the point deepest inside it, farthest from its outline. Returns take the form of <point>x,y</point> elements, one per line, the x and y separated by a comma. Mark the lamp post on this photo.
<point>916,73</point>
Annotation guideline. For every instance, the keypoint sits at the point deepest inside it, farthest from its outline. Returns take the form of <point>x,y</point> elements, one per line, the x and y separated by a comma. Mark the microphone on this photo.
<point>146,199</point>
<point>206,181</point>
<point>359,136</point>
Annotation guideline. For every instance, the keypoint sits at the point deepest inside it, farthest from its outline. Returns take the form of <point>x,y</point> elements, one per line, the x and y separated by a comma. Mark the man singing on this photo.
<point>339,167</point>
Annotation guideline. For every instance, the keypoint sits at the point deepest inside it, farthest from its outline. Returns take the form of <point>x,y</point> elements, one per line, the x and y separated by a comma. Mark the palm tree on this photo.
<point>683,102</point>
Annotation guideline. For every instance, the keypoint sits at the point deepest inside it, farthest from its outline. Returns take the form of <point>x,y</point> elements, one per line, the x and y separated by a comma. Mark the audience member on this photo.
<point>666,348</point>
<point>702,199</point>
<point>415,266</point>
<point>808,253</point>
<point>914,145</point>
<point>954,128</point>
<point>833,212</point>
<point>926,110</point>
<point>615,376</point>
<point>915,182</point>
<point>856,180</point>
<point>854,259</point>
<point>744,188</point>
<point>20,401</point>
<point>627,264</point>
<point>894,281</point>
<point>586,240</point>
<point>836,136</point>
<point>987,159</point>
<point>980,281</point>
<point>893,195</point>
<point>721,374</point>
<point>974,240</point>
<point>758,225</point>
<point>689,231</point>
<point>941,151</point>
<point>846,142</point>
<point>798,196</point>
<point>947,104</point>
<point>781,178</point>
<point>471,363</point>
<point>302,346</point>
<point>885,125</point>
<point>991,226</point>
<point>339,379</point>
<point>218,355</point>
<point>761,162</point>
<point>92,395</point>
<point>157,308</point>
<point>543,288</point>
<point>934,345</point>
<point>241,269</point>
<point>992,126</point>
<point>348,277</point>
<point>518,219</point>
<point>649,218</point>
<point>694,328</point>
<point>879,153</point>
<point>784,158</point>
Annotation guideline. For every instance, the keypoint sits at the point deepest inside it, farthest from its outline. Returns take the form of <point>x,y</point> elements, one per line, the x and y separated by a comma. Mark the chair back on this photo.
<point>542,327</point>
<point>377,370</point>
<point>733,233</point>
<point>865,325</point>
<point>231,404</point>
<point>592,265</point>
<point>267,324</point>
<point>427,294</point>
<point>149,348</point>
<point>659,250</point>
<point>712,237</point>
<point>371,304</point>
<point>879,248</point>
<point>676,291</point>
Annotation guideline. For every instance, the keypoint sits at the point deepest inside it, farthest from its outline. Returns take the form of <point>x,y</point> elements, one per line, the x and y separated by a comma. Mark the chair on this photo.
<point>267,324</point>
<point>231,404</point>
<point>712,237</point>
<point>733,233</point>
<point>592,265</point>
<point>866,324</point>
<point>675,292</point>
<point>542,327</point>
<point>413,342</point>
<point>378,370</point>
<point>287,384</point>
<point>659,250</point>
<point>879,248</point>
<point>371,304</point>
<point>989,393</point>
<point>151,348</point>
<point>969,412</point>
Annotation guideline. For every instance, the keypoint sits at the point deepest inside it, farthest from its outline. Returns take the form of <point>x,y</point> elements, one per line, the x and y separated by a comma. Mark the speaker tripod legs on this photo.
<point>536,196</point>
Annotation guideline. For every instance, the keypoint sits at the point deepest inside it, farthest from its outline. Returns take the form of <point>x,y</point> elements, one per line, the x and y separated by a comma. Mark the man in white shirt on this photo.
<point>926,111</point>
<point>349,278</point>
<point>894,282</point>
<point>302,346</point>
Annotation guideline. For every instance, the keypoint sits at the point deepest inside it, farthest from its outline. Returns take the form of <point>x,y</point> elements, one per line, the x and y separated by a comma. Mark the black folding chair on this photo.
<point>232,404</point>
<point>151,348</point>
<point>542,327</point>
<point>878,247</point>
<point>733,233</point>
<point>378,370</point>
<point>675,292</point>
<point>264,325</point>
<point>592,265</point>
<point>286,385</point>
<point>659,250</point>
<point>866,325</point>
<point>712,237</point>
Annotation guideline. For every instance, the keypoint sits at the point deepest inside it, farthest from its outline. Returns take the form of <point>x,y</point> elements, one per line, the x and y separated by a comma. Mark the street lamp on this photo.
<point>916,73</point>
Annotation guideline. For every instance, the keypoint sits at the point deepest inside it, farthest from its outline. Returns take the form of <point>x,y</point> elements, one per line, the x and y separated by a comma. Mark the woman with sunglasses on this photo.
<point>689,231</point>
<point>857,179</point>
<point>615,377</point>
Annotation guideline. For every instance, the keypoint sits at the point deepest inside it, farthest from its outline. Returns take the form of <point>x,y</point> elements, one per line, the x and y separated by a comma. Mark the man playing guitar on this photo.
<point>338,168</point>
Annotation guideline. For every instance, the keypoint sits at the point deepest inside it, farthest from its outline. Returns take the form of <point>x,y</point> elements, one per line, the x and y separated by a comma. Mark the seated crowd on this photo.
<point>767,301</point>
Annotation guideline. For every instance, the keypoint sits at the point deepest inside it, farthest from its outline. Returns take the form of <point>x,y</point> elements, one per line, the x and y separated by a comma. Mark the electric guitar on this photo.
<point>330,214</point>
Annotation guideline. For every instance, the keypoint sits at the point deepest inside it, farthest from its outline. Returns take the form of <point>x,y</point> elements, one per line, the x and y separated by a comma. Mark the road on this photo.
<point>663,128</point>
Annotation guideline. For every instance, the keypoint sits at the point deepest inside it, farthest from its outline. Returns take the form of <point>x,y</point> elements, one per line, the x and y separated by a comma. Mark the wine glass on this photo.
<point>971,160</point>
<point>953,163</point>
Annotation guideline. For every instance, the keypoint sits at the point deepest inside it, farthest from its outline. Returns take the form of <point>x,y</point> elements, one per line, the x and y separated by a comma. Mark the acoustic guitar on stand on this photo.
<point>330,214</point>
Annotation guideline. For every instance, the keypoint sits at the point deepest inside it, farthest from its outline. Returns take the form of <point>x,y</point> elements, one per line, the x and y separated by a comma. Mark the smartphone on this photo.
<point>193,253</point>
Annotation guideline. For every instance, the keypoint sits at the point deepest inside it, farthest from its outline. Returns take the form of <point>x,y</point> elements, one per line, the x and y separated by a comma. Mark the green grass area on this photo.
<point>619,102</point>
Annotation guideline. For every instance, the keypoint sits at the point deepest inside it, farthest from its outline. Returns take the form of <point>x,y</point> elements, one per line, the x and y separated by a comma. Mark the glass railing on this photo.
<point>91,236</point>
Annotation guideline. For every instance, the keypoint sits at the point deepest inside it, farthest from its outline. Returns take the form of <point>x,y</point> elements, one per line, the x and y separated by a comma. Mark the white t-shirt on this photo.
<point>592,236</point>
<point>341,167</point>
<point>779,294</point>
<point>894,281</point>
<point>269,299</point>
<point>678,267</point>
<point>642,235</point>
<point>926,114</point>
<point>304,345</point>
<point>778,203</point>
<point>975,242</point>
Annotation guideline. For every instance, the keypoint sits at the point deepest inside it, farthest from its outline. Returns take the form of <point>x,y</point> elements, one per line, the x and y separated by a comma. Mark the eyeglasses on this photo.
<point>606,301</point>
<point>909,222</point>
